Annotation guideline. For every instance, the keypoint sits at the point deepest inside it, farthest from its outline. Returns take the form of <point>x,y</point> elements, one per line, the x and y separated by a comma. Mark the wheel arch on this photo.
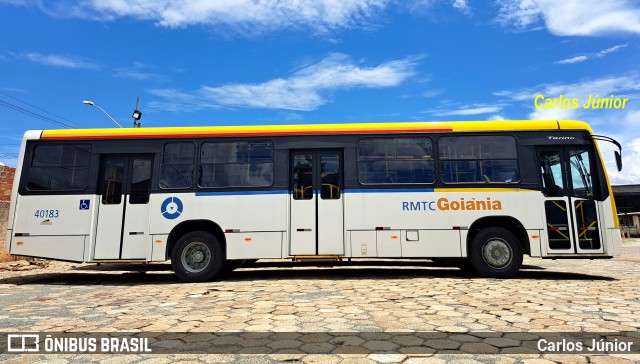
<point>506,222</point>
<point>193,225</point>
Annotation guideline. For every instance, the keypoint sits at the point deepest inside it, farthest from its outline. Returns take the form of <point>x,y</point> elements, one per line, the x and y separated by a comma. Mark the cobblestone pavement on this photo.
<point>408,307</point>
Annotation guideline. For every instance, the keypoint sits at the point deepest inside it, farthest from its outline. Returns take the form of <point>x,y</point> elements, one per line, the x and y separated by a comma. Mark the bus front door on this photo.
<point>316,189</point>
<point>570,200</point>
<point>123,213</point>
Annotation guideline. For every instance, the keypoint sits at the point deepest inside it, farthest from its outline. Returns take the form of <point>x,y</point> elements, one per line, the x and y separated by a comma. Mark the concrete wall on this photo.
<point>6,182</point>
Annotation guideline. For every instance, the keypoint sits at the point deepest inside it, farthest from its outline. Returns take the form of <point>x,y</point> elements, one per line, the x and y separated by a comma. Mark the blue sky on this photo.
<point>230,62</point>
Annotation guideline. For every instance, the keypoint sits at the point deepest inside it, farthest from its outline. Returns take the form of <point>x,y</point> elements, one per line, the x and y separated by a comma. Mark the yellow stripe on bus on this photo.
<point>362,128</point>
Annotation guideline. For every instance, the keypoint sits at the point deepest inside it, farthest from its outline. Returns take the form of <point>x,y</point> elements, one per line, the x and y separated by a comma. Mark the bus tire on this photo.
<point>496,252</point>
<point>197,257</point>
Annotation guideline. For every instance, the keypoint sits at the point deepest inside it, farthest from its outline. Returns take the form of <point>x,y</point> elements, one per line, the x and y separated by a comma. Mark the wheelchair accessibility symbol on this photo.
<point>84,204</point>
<point>171,208</point>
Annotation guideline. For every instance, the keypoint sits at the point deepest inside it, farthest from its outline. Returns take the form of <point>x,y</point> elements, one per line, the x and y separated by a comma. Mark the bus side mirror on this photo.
<point>618,160</point>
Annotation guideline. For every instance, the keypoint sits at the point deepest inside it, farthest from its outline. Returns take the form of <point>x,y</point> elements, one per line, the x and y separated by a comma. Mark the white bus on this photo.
<point>481,194</point>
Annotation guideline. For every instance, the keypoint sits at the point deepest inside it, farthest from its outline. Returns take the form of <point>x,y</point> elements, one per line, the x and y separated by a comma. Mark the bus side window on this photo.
<point>59,167</point>
<point>396,161</point>
<point>479,159</point>
<point>113,174</point>
<point>176,170</point>
<point>140,181</point>
<point>236,164</point>
<point>551,173</point>
<point>302,177</point>
<point>330,177</point>
<point>580,167</point>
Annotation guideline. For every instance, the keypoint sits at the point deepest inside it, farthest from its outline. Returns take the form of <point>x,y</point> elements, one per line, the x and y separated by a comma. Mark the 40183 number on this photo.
<point>47,214</point>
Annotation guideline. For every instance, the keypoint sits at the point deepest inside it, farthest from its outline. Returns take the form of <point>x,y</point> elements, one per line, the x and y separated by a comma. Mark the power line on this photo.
<point>38,108</point>
<point>48,112</point>
<point>631,146</point>
<point>35,115</point>
<point>627,147</point>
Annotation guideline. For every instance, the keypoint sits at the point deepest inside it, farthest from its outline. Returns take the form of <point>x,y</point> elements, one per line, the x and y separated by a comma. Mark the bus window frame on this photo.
<point>27,165</point>
<point>198,164</point>
<point>480,183</point>
<point>161,163</point>
<point>433,159</point>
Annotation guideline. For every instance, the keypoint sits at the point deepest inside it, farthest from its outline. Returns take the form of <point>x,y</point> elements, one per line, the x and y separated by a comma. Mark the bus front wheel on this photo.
<point>197,257</point>
<point>496,252</point>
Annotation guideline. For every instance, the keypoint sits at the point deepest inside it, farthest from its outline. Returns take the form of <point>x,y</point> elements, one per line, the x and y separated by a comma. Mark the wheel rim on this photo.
<point>196,257</point>
<point>497,253</point>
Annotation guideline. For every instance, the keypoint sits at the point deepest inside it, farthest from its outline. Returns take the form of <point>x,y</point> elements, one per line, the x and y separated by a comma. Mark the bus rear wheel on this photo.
<point>496,252</point>
<point>197,257</point>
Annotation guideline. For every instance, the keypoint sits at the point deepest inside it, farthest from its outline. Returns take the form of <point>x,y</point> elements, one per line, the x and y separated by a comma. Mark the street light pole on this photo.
<point>91,103</point>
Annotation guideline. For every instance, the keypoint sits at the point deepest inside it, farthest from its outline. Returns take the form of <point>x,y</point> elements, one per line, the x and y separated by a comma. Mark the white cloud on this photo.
<point>572,60</point>
<point>177,101</point>
<point>136,74</point>
<point>304,90</point>
<point>572,17</point>
<point>582,58</point>
<point>518,13</point>
<point>246,16</point>
<point>604,52</point>
<point>630,158</point>
<point>624,130</point>
<point>432,93</point>
<point>56,60</point>
<point>9,155</point>
<point>432,7</point>
<point>138,71</point>
<point>470,110</point>
<point>462,6</point>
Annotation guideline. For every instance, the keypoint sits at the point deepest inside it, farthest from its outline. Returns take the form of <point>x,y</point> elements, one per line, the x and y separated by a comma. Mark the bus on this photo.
<point>479,195</point>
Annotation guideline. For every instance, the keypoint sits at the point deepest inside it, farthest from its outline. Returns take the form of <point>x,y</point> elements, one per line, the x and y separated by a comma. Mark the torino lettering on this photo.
<point>444,204</point>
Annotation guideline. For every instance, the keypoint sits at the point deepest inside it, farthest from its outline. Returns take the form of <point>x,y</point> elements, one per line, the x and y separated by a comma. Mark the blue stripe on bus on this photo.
<point>387,190</point>
<point>285,192</point>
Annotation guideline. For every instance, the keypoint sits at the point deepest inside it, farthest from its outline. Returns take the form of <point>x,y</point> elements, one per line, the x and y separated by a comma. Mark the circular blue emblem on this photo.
<point>171,208</point>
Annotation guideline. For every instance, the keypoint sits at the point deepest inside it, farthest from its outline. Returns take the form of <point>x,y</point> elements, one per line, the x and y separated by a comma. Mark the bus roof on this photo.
<point>315,129</point>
